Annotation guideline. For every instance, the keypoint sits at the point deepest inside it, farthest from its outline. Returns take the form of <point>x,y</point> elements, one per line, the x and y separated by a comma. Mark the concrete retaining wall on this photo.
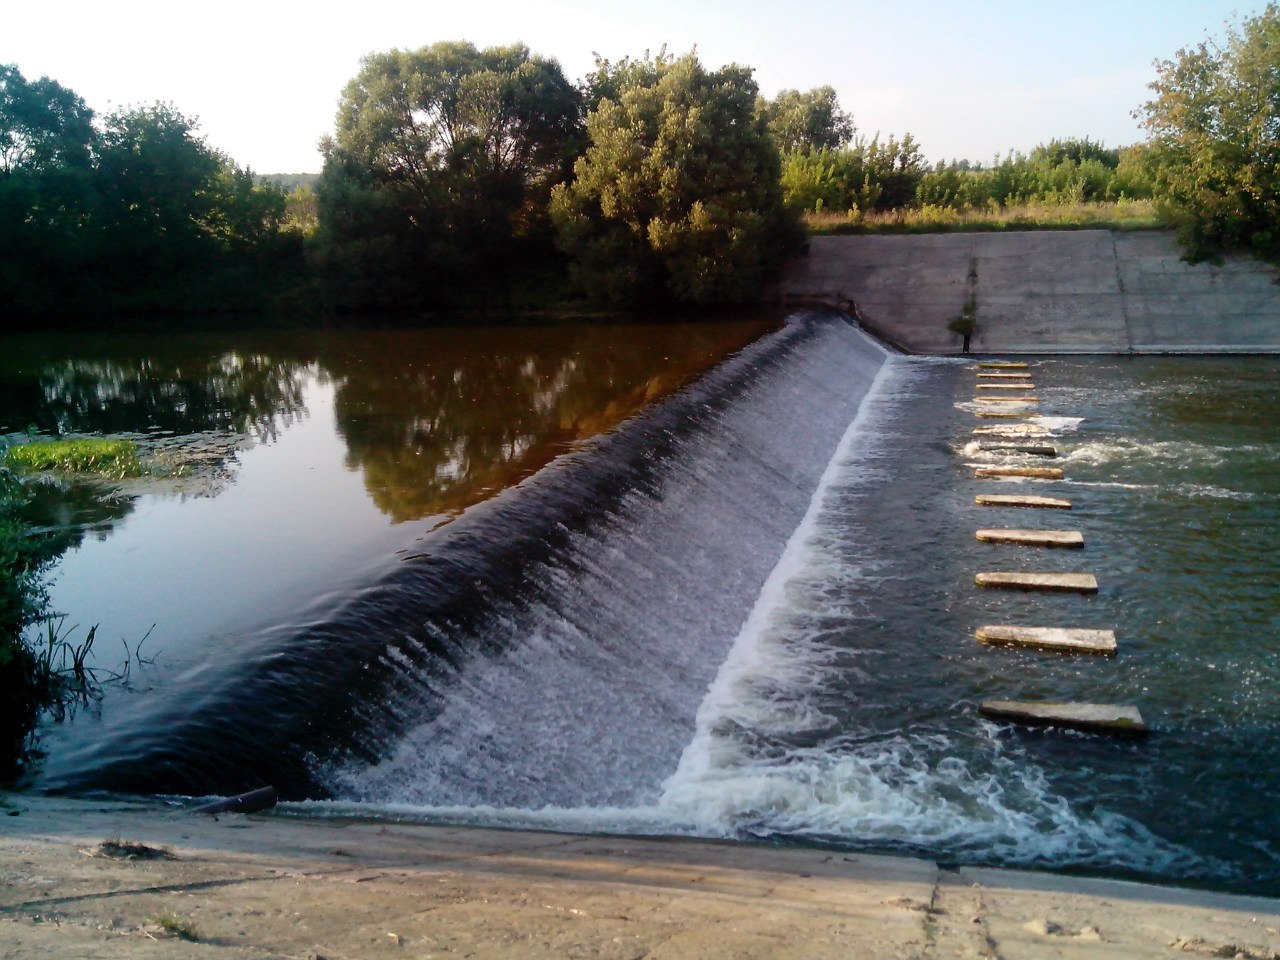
<point>1087,291</point>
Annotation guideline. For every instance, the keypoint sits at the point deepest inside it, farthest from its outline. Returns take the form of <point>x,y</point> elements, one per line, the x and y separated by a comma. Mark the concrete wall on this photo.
<point>1086,291</point>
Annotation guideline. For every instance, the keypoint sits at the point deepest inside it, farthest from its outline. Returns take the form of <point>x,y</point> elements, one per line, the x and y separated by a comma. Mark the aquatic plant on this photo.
<point>116,459</point>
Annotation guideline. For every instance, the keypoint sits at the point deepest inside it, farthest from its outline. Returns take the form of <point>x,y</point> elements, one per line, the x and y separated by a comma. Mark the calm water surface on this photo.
<point>351,446</point>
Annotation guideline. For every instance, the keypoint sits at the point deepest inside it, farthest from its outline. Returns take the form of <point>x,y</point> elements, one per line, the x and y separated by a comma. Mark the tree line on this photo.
<point>131,210</point>
<point>464,177</point>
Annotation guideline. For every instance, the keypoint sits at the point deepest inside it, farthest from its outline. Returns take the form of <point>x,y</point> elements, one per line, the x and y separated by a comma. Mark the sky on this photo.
<point>967,78</point>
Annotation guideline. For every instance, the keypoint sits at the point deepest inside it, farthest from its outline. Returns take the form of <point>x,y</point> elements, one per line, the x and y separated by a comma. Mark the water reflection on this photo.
<point>433,420</point>
<point>438,421</point>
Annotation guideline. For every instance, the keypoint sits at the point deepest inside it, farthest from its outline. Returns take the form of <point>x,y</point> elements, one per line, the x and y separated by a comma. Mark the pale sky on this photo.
<point>966,79</point>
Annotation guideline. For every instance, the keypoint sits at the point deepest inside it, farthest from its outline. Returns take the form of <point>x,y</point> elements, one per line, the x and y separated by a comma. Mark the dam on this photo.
<point>747,611</point>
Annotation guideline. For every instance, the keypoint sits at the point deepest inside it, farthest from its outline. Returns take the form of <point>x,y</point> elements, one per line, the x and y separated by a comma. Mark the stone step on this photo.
<point>1017,500</point>
<point>1039,449</point>
<point>1006,386</point>
<point>1007,414</point>
<point>1071,539</point>
<point>1006,399</point>
<point>1093,717</point>
<point>1065,639</point>
<point>1013,430</point>
<point>1003,365</point>
<point>1004,376</point>
<point>1055,582</point>
<point>1037,473</point>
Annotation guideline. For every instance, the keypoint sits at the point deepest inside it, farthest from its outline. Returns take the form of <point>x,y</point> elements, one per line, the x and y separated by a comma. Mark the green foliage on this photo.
<point>132,211</point>
<point>806,121</point>
<point>441,168</point>
<point>1120,214</point>
<point>678,193</point>
<point>869,174</point>
<point>966,321</point>
<point>1214,126</point>
<point>108,458</point>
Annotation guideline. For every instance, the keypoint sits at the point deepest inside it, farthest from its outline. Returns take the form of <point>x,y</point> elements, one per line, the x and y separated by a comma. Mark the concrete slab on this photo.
<point>1062,639</point>
<point>1014,500</point>
<point>1018,399</point>
<point>1013,430</point>
<point>295,886</point>
<point>994,414</point>
<point>1006,386</point>
<point>993,375</point>
<point>1051,582</point>
<point>1036,473</point>
<point>1038,449</point>
<point>1093,717</point>
<point>1003,365</point>
<point>1070,539</point>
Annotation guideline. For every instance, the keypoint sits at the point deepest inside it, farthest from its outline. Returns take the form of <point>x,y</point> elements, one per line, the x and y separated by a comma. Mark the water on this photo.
<point>748,612</point>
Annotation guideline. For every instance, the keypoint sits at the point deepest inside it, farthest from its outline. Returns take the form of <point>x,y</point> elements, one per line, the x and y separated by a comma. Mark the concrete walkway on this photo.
<point>1087,291</point>
<point>275,886</point>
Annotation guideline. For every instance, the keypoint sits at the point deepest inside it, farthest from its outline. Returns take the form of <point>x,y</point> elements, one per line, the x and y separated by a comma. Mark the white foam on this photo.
<point>750,651</point>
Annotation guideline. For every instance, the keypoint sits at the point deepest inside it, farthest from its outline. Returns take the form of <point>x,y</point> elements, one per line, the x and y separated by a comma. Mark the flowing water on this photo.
<point>748,611</point>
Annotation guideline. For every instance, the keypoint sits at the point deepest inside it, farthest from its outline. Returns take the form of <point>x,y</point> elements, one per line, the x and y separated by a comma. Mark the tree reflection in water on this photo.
<point>434,419</point>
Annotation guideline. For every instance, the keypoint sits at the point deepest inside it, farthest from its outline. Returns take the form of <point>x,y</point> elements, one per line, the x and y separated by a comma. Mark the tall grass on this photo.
<point>1115,215</point>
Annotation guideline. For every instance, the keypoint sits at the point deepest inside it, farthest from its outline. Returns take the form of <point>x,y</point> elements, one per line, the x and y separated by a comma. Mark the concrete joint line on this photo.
<point>1124,298</point>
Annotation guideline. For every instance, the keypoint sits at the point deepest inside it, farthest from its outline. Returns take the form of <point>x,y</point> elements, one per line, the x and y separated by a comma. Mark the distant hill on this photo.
<point>288,181</point>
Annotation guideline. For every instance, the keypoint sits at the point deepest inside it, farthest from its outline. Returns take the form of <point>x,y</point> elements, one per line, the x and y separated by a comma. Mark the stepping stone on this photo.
<point>1002,365</point>
<point>1039,449</point>
<point>1006,399</point>
<point>1093,717</point>
<point>1007,386</point>
<point>1034,538</point>
<point>1007,414</point>
<point>1004,376</point>
<point>1054,582</point>
<point>1066,639</point>
<point>1037,473</point>
<point>1013,430</point>
<point>1014,500</point>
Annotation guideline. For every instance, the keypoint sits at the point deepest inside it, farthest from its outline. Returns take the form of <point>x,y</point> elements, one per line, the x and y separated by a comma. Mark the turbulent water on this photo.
<point>748,611</point>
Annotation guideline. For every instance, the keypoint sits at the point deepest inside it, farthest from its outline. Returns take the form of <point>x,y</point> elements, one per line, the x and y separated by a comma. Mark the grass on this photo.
<point>114,848</point>
<point>173,925</point>
<point>116,459</point>
<point>1119,215</point>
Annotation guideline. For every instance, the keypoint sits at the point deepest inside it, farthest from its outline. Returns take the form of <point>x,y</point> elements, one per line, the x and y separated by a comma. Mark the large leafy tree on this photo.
<point>442,157</point>
<point>678,193</point>
<point>807,120</point>
<point>1214,125</point>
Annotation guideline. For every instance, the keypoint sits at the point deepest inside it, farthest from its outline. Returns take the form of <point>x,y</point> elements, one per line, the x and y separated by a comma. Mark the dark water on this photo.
<point>748,612</point>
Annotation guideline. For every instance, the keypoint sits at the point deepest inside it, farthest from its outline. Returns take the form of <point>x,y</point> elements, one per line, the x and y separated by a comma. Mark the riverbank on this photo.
<point>282,886</point>
<point>1085,291</point>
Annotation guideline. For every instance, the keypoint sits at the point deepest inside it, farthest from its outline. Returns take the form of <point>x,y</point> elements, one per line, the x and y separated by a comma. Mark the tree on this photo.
<point>678,193</point>
<point>43,125</point>
<point>454,151</point>
<point>807,121</point>
<point>1214,126</point>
